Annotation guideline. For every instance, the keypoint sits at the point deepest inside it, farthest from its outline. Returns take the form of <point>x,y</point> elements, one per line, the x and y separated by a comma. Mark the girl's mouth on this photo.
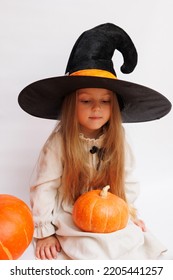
<point>95,118</point>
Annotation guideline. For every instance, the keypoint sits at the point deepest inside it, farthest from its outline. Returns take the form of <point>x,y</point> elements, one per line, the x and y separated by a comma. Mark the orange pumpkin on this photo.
<point>16,227</point>
<point>100,211</point>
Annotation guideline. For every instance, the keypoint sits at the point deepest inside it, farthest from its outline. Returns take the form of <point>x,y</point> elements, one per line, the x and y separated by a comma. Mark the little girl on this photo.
<point>88,150</point>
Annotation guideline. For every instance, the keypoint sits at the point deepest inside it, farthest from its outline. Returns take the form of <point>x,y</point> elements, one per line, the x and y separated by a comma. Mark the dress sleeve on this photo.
<point>131,182</point>
<point>44,191</point>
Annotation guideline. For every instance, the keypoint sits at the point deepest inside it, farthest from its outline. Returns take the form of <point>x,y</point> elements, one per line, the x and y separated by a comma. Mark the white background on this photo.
<point>36,39</point>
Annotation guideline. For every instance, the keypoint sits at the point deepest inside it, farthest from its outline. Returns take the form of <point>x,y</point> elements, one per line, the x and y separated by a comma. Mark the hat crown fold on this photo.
<point>95,48</point>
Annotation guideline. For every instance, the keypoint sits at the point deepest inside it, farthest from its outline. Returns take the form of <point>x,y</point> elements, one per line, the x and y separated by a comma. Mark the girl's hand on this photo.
<point>47,248</point>
<point>140,224</point>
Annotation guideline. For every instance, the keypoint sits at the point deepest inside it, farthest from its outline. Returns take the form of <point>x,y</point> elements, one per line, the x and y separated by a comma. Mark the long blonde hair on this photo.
<point>76,170</point>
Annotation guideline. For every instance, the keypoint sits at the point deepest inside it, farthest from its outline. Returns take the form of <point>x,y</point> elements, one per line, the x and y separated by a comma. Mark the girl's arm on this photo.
<point>43,202</point>
<point>44,192</point>
<point>132,187</point>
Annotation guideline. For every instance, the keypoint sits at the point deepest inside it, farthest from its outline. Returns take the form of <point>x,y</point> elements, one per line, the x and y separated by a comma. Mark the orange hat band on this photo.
<point>94,73</point>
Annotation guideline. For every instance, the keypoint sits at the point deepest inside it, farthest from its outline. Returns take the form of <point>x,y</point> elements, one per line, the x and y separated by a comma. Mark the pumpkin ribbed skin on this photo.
<point>16,227</point>
<point>94,213</point>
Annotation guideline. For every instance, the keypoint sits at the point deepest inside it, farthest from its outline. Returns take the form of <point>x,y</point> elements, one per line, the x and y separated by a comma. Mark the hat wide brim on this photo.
<point>44,98</point>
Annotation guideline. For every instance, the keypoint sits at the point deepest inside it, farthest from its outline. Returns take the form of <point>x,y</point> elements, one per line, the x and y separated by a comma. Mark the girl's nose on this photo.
<point>96,106</point>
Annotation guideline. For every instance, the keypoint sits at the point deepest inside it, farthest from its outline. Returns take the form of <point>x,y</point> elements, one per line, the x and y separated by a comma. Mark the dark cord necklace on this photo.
<point>100,153</point>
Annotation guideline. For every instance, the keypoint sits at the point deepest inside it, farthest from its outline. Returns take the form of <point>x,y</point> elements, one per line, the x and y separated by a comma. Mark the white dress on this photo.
<point>53,216</point>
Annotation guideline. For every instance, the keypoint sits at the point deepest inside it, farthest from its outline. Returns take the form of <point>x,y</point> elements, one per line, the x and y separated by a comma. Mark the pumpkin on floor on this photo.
<point>16,227</point>
<point>100,211</point>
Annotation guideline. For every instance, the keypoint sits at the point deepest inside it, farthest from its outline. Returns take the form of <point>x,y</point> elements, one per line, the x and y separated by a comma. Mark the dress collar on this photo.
<point>92,141</point>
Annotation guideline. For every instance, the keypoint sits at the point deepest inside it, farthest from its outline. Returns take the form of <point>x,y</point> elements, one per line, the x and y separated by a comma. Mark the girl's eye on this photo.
<point>105,101</point>
<point>85,101</point>
<point>88,101</point>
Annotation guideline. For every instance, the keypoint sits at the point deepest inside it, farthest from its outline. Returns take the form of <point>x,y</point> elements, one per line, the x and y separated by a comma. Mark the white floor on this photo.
<point>28,254</point>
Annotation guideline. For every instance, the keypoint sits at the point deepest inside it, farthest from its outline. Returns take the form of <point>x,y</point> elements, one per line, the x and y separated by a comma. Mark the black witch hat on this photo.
<point>90,66</point>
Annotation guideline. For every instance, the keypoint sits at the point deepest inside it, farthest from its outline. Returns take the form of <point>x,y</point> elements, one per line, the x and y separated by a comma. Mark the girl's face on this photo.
<point>93,110</point>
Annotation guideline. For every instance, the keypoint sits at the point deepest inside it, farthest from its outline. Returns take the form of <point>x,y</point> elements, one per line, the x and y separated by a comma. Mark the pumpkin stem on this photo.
<point>104,191</point>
